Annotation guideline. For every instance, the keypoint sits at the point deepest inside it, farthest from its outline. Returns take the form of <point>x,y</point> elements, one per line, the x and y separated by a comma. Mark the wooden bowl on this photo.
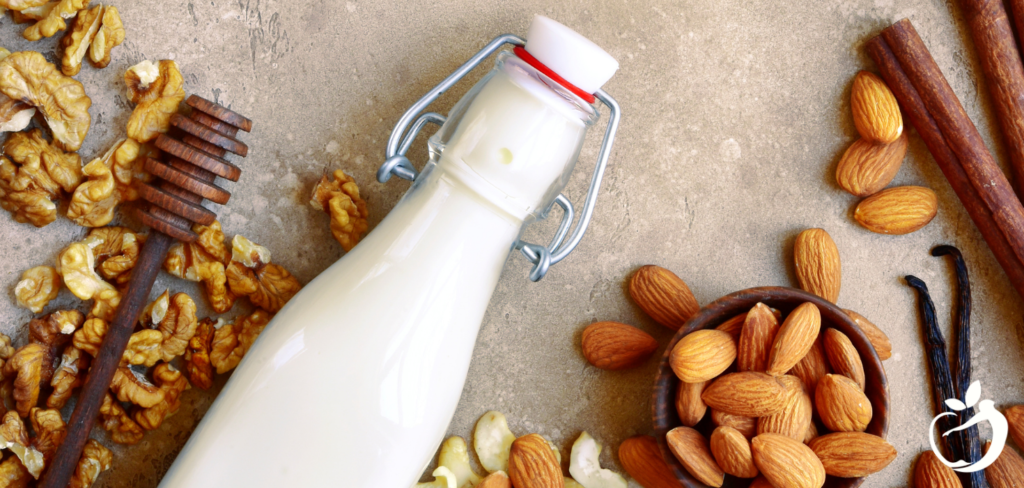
<point>784,299</point>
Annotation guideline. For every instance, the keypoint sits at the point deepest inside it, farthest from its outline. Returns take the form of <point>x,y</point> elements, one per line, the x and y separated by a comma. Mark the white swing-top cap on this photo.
<point>572,56</point>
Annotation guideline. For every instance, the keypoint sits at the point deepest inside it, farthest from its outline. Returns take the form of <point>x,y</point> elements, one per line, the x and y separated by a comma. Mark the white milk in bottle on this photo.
<point>354,382</point>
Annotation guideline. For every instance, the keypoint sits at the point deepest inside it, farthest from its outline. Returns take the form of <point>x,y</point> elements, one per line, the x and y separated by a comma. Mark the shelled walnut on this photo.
<point>132,386</point>
<point>251,274</point>
<point>113,418</point>
<point>28,77</point>
<point>76,265</point>
<point>110,35</point>
<point>37,287</point>
<point>26,364</point>
<point>95,460</point>
<point>157,89</point>
<point>90,337</point>
<point>70,374</point>
<point>93,203</point>
<point>204,261</point>
<point>77,40</point>
<point>117,252</point>
<point>340,198</point>
<point>36,175</point>
<point>175,319</point>
<point>55,19</point>
<point>53,332</point>
<point>197,356</point>
<point>49,429</point>
<point>232,341</point>
<point>172,383</point>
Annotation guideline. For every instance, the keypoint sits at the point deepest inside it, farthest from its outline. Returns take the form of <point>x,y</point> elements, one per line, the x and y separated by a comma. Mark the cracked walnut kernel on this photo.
<point>109,36</point>
<point>197,356</point>
<point>50,431</point>
<point>28,77</point>
<point>90,337</point>
<point>95,459</point>
<point>340,198</point>
<point>35,176</point>
<point>13,474</point>
<point>132,386</point>
<point>94,201</point>
<point>53,332</point>
<point>172,383</point>
<point>175,319</point>
<point>251,274</point>
<point>27,364</point>
<point>157,93</point>
<point>117,252</point>
<point>143,348</point>
<point>37,287</point>
<point>232,341</point>
<point>204,261</point>
<point>76,41</point>
<point>54,20</point>
<point>76,265</point>
<point>69,375</point>
<point>113,418</point>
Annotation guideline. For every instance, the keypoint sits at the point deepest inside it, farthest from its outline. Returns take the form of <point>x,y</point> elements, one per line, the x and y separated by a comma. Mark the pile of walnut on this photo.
<point>54,363</point>
<point>524,462</point>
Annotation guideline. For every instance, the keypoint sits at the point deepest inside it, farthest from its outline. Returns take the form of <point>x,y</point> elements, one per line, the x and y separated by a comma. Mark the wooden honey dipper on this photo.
<point>186,178</point>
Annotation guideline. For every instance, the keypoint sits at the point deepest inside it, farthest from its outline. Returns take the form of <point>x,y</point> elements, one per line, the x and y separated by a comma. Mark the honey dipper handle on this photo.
<point>62,467</point>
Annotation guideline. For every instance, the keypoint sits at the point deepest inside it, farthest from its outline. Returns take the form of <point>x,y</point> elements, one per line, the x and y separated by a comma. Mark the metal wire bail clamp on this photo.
<point>412,122</point>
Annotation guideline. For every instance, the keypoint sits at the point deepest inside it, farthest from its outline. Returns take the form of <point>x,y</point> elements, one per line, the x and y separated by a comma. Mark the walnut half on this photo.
<point>37,287</point>
<point>95,460</point>
<point>157,98</point>
<point>113,418</point>
<point>131,386</point>
<point>232,341</point>
<point>28,77</point>
<point>172,383</point>
<point>251,274</point>
<point>340,198</point>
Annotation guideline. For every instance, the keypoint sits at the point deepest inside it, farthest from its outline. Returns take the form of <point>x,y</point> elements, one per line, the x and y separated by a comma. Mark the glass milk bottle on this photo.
<point>354,382</point>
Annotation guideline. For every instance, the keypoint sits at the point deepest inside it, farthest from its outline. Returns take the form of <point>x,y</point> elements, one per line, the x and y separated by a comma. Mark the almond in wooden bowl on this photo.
<point>786,300</point>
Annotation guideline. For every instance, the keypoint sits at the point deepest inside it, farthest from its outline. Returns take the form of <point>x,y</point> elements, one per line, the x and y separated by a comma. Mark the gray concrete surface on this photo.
<point>735,115</point>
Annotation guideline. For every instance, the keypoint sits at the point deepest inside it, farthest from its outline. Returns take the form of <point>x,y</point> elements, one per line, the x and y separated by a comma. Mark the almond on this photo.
<point>702,354</point>
<point>931,473</point>
<point>866,167</point>
<point>787,462</point>
<point>613,346</point>
<point>733,326</point>
<point>897,211</point>
<point>793,420</point>
<point>732,452</point>
<point>1015,417</point>
<point>794,339</point>
<point>756,337</point>
<point>691,449</point>
<point>812,368</point>
<point>875,111</point>
<point>1007,471</point>
<point>817,264</point>
<point>532,464</point>
<point>641,458</point>
<point>812,433</point>
<point>689,405</point>
<point>878,339</point>
<point>744,425</point>
<point>664,296</point>
<point>852,454</point>
<point>841,404</point>
<point>497,479</point>
<point>747,394</point>
<point>843,357</point>
<point>760,482</point>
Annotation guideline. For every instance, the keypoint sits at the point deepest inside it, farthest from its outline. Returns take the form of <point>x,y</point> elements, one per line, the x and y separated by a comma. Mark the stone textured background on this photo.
<point>735,116</point>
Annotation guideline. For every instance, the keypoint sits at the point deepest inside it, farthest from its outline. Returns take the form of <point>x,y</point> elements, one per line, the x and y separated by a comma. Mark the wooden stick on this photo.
<point>1001,63</point>
<point>917,114</point>
<point>109,356</point>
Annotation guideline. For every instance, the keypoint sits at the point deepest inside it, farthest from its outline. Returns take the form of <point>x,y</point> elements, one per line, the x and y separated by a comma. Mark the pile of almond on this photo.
<point>871,162</point>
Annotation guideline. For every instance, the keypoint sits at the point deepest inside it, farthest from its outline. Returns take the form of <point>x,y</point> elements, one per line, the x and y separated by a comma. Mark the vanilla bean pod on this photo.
<point>942,381</point>
<point>961,366</point>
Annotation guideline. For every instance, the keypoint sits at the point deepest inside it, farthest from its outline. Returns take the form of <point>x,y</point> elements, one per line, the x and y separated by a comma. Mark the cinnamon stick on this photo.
<point>960,133</point>
<point>918,116</point>
<point>1001,63</point>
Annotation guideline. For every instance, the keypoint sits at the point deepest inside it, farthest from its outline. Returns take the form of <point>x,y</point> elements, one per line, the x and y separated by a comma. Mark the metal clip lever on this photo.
<point>412,123</point>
